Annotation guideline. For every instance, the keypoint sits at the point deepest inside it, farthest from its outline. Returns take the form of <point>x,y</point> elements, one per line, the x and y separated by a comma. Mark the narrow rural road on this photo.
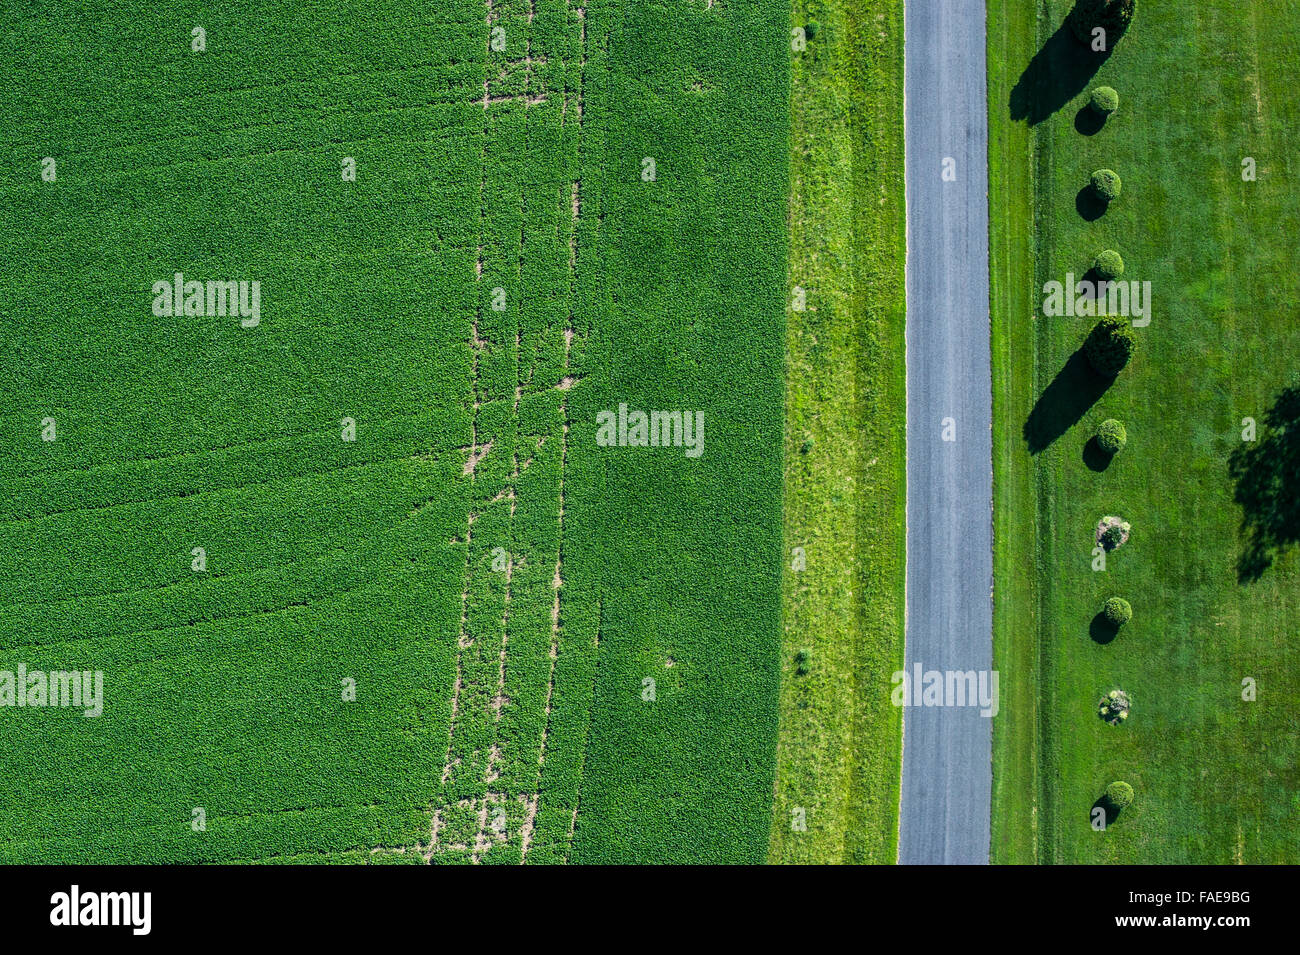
<point>947,750</point>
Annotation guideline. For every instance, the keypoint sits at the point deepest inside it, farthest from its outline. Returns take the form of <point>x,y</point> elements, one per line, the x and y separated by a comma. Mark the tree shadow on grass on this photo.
<point>1088,122</point>
<point>1102,630</point>
<point>1091,286</point>
<point>1074,390</point>
<point>1094,457</point>
<point>1267,477</point>
<point>1089,205</point>
<point>1105,806</point>
<point>1058,73</point>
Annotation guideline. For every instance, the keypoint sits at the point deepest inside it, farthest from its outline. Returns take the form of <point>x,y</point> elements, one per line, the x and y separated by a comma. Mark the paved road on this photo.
<point>947,751</point>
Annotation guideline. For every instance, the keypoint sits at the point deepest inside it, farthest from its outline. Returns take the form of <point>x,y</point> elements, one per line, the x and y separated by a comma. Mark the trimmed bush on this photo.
<point>802,662</point>
<point>1117,612</point>
<point>1114,707</point>
<point>1111,437</point>
<point>1112,531</point>
<point>1109,265</point>
<point>1119,795</point>
<point>1113,16</point>
<point>811,29</point>
<point>1109,346</point>
<point>1106,184</point>
<point>1104,100</point>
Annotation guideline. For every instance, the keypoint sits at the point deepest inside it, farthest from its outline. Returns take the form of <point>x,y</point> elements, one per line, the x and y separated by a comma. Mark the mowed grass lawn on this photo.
<point>1203,87</point>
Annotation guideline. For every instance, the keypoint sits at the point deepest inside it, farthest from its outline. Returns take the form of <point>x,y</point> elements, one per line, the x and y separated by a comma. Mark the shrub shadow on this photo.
<point>1103,804</point>
<point>1058,73</point>
<point>1102,630</point>
<point>1074,390</point>
<point>1088,121</point>
<point>1089,205</point>
<point>1094,457</point>
<point>1267,477</point>
<point>1095,288</point>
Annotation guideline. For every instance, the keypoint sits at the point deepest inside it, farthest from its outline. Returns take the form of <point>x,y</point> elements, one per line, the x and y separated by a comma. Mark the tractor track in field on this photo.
<point>499,806</point>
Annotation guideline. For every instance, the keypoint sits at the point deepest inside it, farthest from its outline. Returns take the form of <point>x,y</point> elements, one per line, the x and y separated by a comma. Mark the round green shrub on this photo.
<point>1104,100</point>
<point>1113,16</point>
<point>1117,612</point>
<point>1108,265</point>
<point>1106,184</point>
<point>811,29</point>
<point>1111,437</point>
<point>1109,346</point>
<point>1113,536</point>
<point>1119,795</point>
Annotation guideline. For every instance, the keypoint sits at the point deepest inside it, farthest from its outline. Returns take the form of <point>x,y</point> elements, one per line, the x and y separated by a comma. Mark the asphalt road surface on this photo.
<point>947,750</point>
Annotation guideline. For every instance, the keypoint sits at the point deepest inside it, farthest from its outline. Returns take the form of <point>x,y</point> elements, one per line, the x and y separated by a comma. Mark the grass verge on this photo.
<point>1011,308</point>
<point>839,746</point>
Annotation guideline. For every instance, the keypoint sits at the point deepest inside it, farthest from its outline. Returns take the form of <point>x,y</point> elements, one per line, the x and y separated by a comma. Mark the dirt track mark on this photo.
<point>565,384</point>
<point>490,798</point>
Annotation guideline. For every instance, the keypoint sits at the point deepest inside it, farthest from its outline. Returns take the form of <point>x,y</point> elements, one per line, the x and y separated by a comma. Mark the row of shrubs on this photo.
<point>1109,346</point>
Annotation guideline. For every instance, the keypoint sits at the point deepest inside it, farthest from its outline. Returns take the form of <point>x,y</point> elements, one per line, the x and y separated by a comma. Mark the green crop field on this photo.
<point>363,581</point>
<point>1201,140</point>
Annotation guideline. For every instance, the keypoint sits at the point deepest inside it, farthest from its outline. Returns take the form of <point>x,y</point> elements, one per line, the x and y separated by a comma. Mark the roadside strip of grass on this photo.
<point>839,749</point>
<point>1011,43</point>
